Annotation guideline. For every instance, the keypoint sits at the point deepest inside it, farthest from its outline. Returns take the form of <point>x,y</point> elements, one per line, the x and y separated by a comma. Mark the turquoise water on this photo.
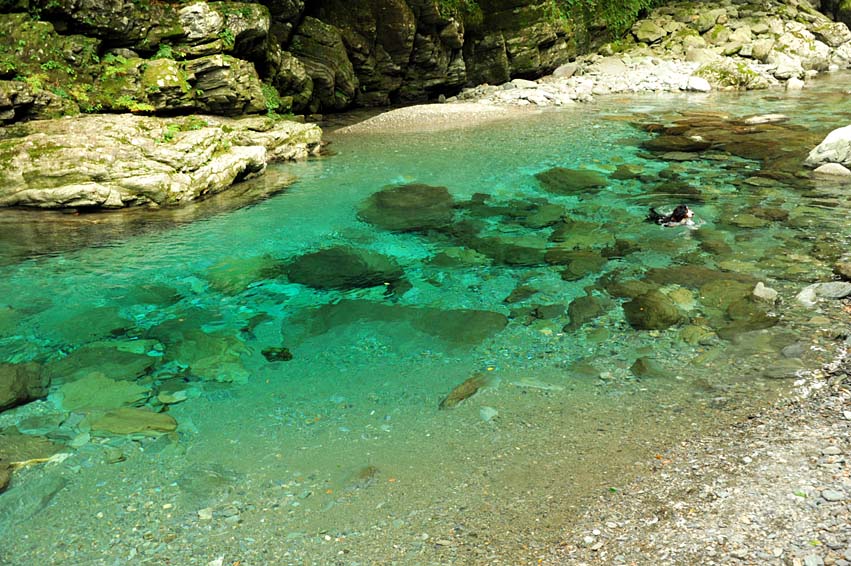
<point>341,454</point>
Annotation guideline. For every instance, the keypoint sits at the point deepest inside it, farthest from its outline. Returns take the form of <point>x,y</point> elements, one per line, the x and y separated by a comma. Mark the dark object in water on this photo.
<point>464,391</point>
<point>681,215</point>
<point>277,354</point>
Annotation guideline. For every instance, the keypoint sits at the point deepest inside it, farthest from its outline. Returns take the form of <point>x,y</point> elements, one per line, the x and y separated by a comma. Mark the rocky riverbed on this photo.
<point>688,47</point>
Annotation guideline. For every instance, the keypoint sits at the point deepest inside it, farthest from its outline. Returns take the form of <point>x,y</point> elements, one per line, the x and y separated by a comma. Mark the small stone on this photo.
<point>277,354</point>
<point>831,451</point>
<point>205,514</point>
<point>813,560</point>
<point>832,495</point>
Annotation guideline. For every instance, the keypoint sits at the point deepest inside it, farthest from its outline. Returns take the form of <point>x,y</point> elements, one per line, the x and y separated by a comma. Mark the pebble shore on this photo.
<point>773,490</point>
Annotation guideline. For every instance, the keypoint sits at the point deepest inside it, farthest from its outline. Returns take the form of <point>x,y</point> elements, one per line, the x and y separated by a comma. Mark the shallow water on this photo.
<point>341,454</point>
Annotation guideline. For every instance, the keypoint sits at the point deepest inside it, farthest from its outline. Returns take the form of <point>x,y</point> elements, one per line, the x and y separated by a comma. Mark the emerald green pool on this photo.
<point>341,454</point>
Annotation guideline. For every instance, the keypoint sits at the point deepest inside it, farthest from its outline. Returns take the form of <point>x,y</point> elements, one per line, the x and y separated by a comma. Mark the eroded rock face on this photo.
<point>126,160</point>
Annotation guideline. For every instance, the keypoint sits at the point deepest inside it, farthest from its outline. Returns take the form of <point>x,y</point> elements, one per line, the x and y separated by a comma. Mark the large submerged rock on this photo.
<point>127,160</point>
<point>344,267</point>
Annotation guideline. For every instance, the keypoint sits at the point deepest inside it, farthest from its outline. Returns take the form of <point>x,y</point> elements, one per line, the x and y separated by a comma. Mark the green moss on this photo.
<point>467,11</point>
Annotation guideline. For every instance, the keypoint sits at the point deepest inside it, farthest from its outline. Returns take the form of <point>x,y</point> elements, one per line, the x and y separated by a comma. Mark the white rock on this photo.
<point>766,119</point>
<point>764,293</point>
<point>698,84</point>
<point>794,84</point>
<point>835,148</point>
<point>807,297</point>
<point>523,83</point>
<point>832,170</point>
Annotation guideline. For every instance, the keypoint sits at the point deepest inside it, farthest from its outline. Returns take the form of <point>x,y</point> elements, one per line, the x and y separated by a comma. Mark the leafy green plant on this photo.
<point>169,133</point>
<point>272,98</point>
<point>227,38</point>
<point>164,51</point>
<point>133,105</point>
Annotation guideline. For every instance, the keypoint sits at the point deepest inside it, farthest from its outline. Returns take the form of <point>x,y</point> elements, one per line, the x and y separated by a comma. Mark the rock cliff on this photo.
<point>229,58</point>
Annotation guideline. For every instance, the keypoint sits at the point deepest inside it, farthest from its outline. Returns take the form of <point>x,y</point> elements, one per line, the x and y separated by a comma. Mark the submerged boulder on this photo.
<point>652,311</point>
<point>564,181</point>
<point>344,267</point>
<point>408,208</point>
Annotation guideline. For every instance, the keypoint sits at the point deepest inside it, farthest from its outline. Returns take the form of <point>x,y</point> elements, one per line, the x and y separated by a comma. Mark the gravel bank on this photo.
<point>431,118</point>
<point>774,490</point>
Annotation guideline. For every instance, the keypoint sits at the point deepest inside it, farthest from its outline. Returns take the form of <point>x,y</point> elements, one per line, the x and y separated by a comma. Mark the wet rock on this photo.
<point>543,216</point>
<point>129,420</point>
<point>344,267</point>
<point>235,274</point>
<point>788,368</point>
<point>116,360</point>
<point>92,324</point>
<point>457,256</point>
<point>5,476</point>
<point>456,327</point>
<point>512,249</point>
<point>152,294</point>
<point>843,269</point>
<point>695,335</point>
<point>580,264</point>
<point>719,294</point>
<point>832,290</point>
<point>693,276</point>
<point>96,391</point>
<point>669,143</point>
<point>465,390</point>
<point>625,172</point>
<point>277,354</point>
<point>585,309</point>
<point>563,181</point>
<point>212,356</point>
<point>629,288</point>
<point>20,383</point>
<point>652,311</point>
<point>409,208</point>
<point>520,294</point>
<point>648,367</point>
<point>578,234</point>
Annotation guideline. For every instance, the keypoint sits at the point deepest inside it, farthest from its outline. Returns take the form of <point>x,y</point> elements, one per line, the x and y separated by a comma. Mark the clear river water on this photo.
<point>322,423</point>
